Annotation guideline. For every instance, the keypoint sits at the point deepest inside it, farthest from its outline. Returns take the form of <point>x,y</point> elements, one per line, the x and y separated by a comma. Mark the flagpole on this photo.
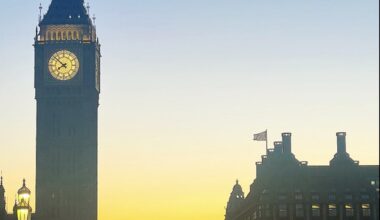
<point>266,140</point>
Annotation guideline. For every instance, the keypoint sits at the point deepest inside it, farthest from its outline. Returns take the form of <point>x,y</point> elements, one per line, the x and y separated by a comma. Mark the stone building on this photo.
<point>288,189</point>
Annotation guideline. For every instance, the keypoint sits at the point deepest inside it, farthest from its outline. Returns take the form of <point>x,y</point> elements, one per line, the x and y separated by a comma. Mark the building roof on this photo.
<point>66,12</point>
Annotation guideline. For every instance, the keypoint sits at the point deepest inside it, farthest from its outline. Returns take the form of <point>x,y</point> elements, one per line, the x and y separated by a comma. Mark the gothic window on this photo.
<point>332,210</point>
<point>349,210</point>
<point>282,210</point>
<point>299,210</point>
<point>366,210</point>
<point>315,210</point>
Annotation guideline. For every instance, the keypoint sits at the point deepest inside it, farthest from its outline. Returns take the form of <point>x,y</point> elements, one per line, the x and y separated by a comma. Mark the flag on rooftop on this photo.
<point>260,136</point>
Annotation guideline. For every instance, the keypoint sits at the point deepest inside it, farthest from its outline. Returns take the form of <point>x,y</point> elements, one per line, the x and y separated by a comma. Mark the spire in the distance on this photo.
<point>66,12</point>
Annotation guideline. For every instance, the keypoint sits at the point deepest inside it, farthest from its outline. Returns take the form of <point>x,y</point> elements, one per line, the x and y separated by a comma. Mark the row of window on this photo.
<point>332,197</point>
<point>316,211</point>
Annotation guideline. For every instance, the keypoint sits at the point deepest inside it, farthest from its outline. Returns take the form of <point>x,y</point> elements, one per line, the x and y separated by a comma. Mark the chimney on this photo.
<point>287,143</point>
<point>341,142</point>
<point>278,147</point>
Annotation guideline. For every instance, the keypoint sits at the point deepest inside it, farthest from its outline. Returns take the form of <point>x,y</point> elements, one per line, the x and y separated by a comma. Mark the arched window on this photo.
<point>75,35</point>
<point>59,36</point>
<point>48,36</point>
<point>70,37</point>
<point>64,35</point>
<point>54,36</point>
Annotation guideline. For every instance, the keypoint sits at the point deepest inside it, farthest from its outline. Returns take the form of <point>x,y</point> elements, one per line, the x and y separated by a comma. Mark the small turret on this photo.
<point>235,201</point>
<point>3,211</point>
<point>22,206</point>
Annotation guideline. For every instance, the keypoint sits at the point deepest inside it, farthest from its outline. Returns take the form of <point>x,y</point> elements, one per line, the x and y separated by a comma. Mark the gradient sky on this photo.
<point>186,83</point>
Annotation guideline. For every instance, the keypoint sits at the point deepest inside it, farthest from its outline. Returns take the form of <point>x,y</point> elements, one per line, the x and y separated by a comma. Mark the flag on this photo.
<point>260,136</point>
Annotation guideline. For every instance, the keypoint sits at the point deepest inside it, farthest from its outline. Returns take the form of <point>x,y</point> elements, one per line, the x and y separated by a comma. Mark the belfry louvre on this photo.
<point>288,189</point>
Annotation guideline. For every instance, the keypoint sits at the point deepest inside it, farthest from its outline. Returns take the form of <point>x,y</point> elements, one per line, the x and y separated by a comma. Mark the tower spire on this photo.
<point>40,15</point>
<point>66,12</point>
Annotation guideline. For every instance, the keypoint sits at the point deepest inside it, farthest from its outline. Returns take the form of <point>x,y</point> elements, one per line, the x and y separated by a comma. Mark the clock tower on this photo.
<point>67,86</point>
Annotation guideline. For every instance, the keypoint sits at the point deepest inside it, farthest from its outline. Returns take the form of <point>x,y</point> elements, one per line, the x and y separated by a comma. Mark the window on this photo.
<point>366,210</point>
<point>267,211</point>
<point>260,212</point>
<point>282,197</point>
<point>315,210</point>
<point>364,196</point>
<point>254,215</point>
<point>332,197</point>
<point>282,210</point>
<point>298,196</point>
<point>299,210</point>
<point>315,197</point>
<point>332,210</point>
<point>348,197</point>
<point>349,210</point>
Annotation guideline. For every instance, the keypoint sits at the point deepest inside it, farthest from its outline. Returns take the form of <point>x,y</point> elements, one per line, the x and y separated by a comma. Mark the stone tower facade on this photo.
<point>67,86</point>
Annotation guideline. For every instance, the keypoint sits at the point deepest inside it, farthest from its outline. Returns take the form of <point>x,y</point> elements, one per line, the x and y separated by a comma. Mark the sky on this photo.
<point>185,84</point>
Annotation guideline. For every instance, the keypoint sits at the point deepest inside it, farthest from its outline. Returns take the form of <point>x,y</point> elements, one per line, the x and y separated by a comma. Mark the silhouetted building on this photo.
<point>67,87</point>
<point>288,189</point>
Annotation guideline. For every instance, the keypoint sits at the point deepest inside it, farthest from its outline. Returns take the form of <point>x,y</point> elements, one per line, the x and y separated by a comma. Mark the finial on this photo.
<point>1,178</point>
<point>40,15</point>
<point>237,181</point>
<point>23,182</point>
<point>94,19</point>
<point>88,7</point>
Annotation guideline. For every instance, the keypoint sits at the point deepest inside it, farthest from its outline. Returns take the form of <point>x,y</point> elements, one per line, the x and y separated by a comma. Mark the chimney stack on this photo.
<point>341,142</point>
<point>278,147</point>
<point>287,143</point>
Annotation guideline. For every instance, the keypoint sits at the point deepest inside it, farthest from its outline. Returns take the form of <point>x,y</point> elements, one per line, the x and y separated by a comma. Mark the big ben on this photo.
<point>67,86</point>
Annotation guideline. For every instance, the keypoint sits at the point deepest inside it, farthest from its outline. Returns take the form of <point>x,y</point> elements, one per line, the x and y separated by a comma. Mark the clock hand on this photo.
<point>63,65</point>
<point>58,60</point>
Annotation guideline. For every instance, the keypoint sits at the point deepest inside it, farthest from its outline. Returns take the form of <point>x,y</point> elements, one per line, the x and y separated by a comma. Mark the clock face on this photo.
<point>63,65</point>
